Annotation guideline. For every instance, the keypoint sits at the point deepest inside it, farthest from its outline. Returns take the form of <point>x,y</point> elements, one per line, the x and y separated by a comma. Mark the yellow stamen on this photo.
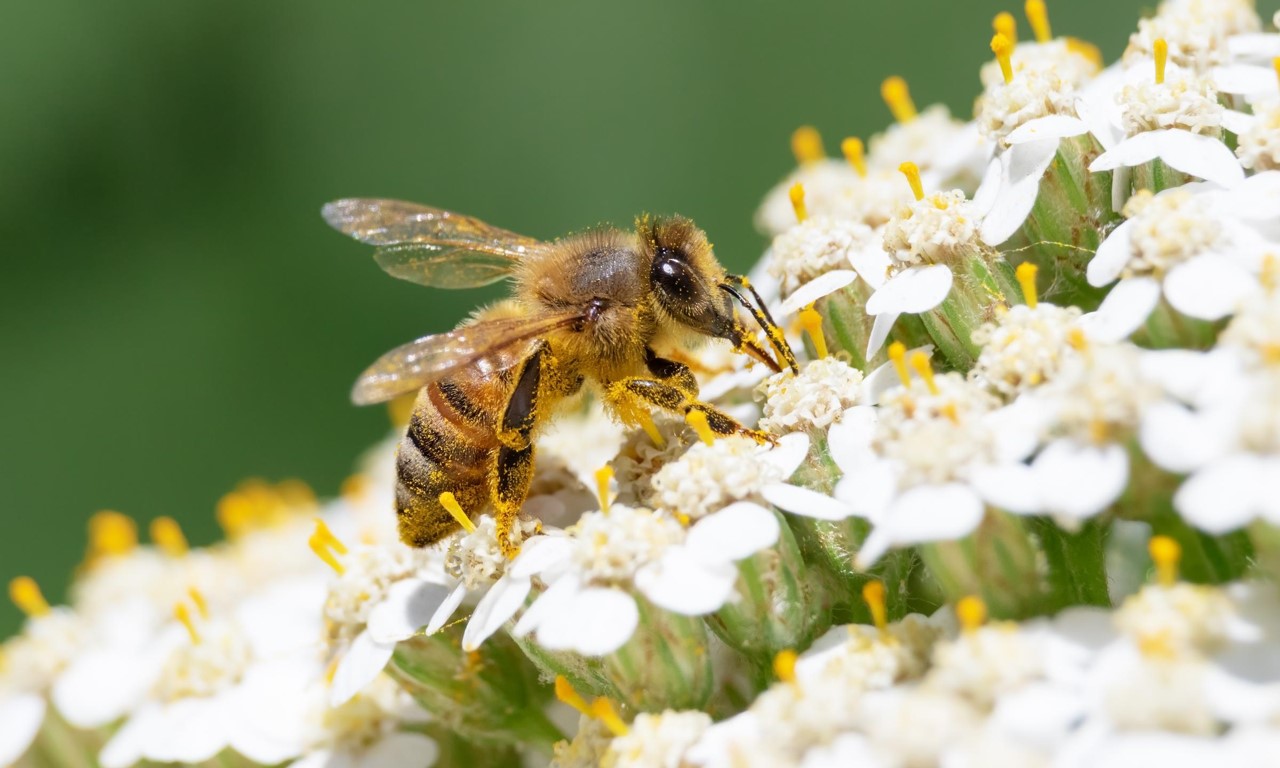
<point>1166,553</point>
<point>784,666</point>
<point>873,593</point>
<point>949,410</point>
<point>567,695</point>
<point>331,670</point>
<point>1002,47</point>
<point>1269,274</point>
<point>602,710</point>
<point>898,356</point>
<point>912,172</point>
<point>183,615</point>
<point>797,201</point>
<point>25,593</point>
<point>1077,340</point>
<point>451,505</point>
<point>322,530</point>
<point>971,612</point>
<point>112,533</point>
<point>320,546</point>
<point>806,145</point>
<point>400,409</point>
<point>1086,49</point>
<point>1275,64</point>
<point>650,429</point>
<point>811,321</point>
<point>1162,58</point>
<point>603,476</point>
<point>1038,16</point>
<point>920,362</point>
<point>697,419</point>
<point>1005,24</point>
<point>856,154</point>
<point>167,535</point>
<point>1026,274</point>
<point>197,599</point>
<point>354,487</point>
<point>897,96</point>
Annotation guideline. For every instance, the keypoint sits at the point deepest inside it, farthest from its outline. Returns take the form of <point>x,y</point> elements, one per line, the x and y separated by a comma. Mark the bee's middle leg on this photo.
<point>637,394</point>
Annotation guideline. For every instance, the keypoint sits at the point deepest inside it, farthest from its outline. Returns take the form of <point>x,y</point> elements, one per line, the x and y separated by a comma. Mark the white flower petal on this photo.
<point>880,331</point>
<point>933,513</point>
<point>400,750</point>
<point>733,533</point>
<point>1047,127</point>
<point>1244,78</point>
<point>918,289</point>
<point>446,609</point>
<point>1123,311</point>
<point>408,606</point>
<point>1129,152</point>
<point>1180,372</point>
<point>1237,122</point>
<point>1078,480</point>
<point>189,731</point>
<point>1202,156</point>
<point>873,548</point>
<point>805,502</point>
<point>1022,168</point>
<point>1254,46</point>
<point>822,285</point>
<point>358,667</point>
<point>558,595</point>
<point>22,715</point>
<point>496,608</point>
<point>102,684</point>
<point>788,454</point>
<point>871,262</point>
<point>684,583</point>
<point>1113,255</point>
<point>594,621</point>
<point>1223,496</point>
<point>1181,440</point>
<point>1208,287</point>
<point>540,554</point>
<point>849,439</point>
<point>124,748</point>
<point>1011,487</point>
<point>992,179</point>
<point>271,720</point>
<point>868,488</point>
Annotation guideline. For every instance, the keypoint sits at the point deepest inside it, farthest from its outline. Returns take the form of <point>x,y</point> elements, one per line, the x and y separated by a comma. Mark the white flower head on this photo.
<point>1023,348</point>
<point>1196,31</point>
<point>369,572</point>
<point>934,230</point>
<point>1254,332</point>
<point>1177,619</point>
<point>1258,146</point>
<point>1073,61</point>
<point>1184,101</point>
<point>1034,92</point>
<point>587,748</point>
<point>475,559</point>
<point>1099,396</point>
<point>940,144</point>
<point>817,245</point>
<point>657,740</point>
<point>709,477</point>
<point>812,399</point>
<point>986,663</point>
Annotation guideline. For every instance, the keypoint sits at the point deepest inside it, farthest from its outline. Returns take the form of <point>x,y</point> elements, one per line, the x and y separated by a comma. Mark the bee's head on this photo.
<point>685,277</point>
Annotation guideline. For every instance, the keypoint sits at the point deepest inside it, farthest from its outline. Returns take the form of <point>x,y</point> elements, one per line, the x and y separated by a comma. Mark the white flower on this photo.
<point>946,150</point>
<point>22,715</point>
<point>1072,61</point>
<point>1035,92</point>
<point>1023,348</point>
<point>707,477</point>
<point>1258,145</point>
<point>657,740</point>
<point>817,245</point>
<point>812,399</point>
<point>367,732</point>
<point>1196,31</point>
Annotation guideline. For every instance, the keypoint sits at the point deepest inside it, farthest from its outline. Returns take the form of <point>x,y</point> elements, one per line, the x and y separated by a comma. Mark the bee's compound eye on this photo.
<point>671,273</point>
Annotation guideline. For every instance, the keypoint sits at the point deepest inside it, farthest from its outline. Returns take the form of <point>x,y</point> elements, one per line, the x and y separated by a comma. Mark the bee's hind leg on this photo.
<point>512,468</point>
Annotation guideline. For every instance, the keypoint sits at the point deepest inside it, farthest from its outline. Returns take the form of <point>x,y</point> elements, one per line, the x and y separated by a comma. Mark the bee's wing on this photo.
<point>428,245</point>
<point>490,345</point>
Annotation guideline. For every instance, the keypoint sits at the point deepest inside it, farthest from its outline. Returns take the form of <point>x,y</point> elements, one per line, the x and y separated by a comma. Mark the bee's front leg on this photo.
<point>633,397</point>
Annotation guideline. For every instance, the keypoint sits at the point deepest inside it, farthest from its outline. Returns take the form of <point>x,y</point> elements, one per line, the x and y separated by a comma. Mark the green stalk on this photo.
<point>1077,562</point>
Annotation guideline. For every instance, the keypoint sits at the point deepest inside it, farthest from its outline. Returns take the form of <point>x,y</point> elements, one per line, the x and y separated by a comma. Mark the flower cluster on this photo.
<point>1020,504</point>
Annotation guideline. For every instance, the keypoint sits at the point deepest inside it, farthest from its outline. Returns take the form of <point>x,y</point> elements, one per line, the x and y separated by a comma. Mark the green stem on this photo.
<point>1077,563</point>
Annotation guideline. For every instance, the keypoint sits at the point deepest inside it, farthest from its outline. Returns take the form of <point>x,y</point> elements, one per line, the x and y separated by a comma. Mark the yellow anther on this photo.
<point>971,612</point>
<point>25,593</point>
<point>806,145</point>
<point>898,356</point>
<point>1166,554</point>
<point>856,154</point>
<point>873,593</point>
<point>451,505</point>
<point>602,709</point>
<point>167,535</point>
<point>322,530</point>
<point>1162,58</point>
<point>1005,24</point>
<point>1002,47</point>
<point>354,487</point>
<point>400,409</point>
<point>327,547</point>
<point>1085,49</point>
<point>697,419</point>
<point>331,670</point>
<point>1026,274</point>
<point>199,601</point>
<point>1077,340</point>
<point>784,666</point>
<point>912,172</point>
<point>811,321</point>
<point>1038,16</point>
<point>897,96</point>
<point>1269,274</point>
<point>603,476</point>
<point>567,695</point>
<point>949,410</point>
<point>183,615</point>
<point>650,429</point>
<point>920,362</point>
<point>111,533</point>
<point>1275,64</point>
<point>797,201</point>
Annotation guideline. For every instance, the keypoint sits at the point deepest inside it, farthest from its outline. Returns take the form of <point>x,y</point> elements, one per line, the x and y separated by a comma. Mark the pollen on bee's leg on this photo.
<point>26,595</point>
<point>971,612</point>
<point>873,594</point>
<point>811,321</point>
<point>806,145</point>
<point>603,476</point>
<point>1166,553</point>
<point>855,153</point>
<point>167,535</point>
<point>697,419</point>
<point>897,97</point>
<point>920,362</point>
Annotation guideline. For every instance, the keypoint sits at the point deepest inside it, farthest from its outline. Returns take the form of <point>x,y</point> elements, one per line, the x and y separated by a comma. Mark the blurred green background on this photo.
<point>175,315</point>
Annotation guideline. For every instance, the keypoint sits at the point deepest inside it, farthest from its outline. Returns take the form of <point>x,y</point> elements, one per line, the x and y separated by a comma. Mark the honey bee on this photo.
<point>589,309</point>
